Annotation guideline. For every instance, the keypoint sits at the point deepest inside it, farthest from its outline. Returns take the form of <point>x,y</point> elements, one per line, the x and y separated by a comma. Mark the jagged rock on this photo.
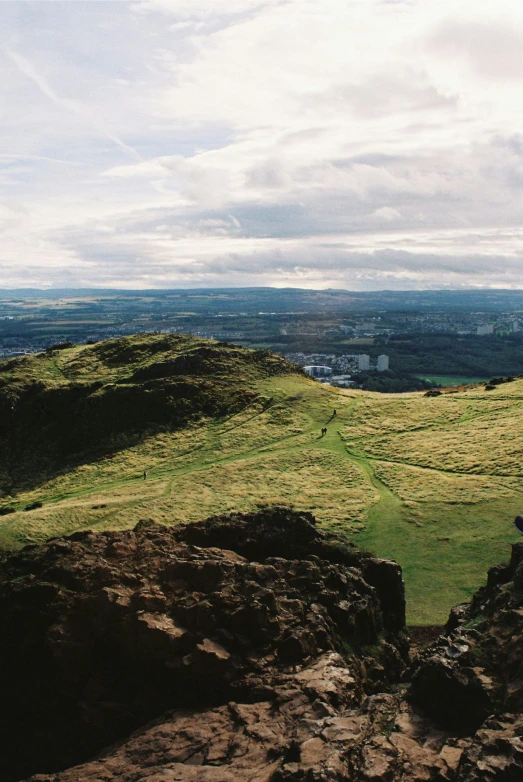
<point>279,532</point>
<point>288,739</point>
<point>476,668</point>
<point>101,633</point>
<point>275,670</point>
<point>496,754</point>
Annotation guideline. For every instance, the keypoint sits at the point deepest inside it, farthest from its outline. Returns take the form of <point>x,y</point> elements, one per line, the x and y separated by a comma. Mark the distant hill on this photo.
<point>432,482</point>
<point>253,300</point>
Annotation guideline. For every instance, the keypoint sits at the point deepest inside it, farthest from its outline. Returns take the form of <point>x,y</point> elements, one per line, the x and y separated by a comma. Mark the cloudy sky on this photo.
<point>360,144</point>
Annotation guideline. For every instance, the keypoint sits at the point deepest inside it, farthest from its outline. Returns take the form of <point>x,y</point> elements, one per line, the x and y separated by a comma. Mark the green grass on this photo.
<point>433,482</point>
<point>452,380</point>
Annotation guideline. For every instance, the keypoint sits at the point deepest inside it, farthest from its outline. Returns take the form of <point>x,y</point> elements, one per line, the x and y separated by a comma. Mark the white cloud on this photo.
<point>77,108</point>
<point>386,214</point>
<point>201,9</point>
<point>358,143</point>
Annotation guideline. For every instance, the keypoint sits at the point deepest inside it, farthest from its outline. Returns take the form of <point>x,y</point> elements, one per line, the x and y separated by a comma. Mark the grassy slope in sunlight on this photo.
<point>433,482</point>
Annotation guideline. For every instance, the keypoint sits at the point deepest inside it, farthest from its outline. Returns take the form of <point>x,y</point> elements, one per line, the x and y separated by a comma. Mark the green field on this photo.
<point>452,380</point>
<point>433,482</point>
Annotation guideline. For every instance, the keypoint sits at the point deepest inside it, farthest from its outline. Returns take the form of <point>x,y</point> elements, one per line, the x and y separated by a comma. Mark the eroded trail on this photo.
<point>273,452</point>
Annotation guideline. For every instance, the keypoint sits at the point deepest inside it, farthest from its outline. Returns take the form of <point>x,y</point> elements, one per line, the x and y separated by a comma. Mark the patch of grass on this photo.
<point>452,380</point>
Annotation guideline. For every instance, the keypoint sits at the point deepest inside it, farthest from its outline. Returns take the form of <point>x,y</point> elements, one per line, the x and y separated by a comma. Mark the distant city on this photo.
<point>332,334</point>
<point>338,370</point>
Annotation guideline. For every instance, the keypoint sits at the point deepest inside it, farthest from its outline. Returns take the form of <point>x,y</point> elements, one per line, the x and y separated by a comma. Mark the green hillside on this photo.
<point>433,482</point>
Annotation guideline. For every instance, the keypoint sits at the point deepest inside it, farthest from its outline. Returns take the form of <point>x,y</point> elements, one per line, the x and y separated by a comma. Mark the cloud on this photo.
<point>81,111</point>
<point>203,9</point>
<point>492,48</point>
<point>350,143</point>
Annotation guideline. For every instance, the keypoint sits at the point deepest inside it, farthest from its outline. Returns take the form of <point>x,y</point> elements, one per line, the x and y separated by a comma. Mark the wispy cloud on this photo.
<point>349,143</point>
<point>82,111</point>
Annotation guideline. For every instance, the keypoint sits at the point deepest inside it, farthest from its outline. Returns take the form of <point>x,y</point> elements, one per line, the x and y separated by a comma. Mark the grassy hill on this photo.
<point>433,482</point>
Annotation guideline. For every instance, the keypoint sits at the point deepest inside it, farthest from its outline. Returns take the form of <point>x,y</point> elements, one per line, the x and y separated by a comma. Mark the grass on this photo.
<point>452,380</point>
<point>433,482</point>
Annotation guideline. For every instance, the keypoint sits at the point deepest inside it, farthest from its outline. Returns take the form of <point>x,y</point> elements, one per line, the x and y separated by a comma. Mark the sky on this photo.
<point>357,144</point>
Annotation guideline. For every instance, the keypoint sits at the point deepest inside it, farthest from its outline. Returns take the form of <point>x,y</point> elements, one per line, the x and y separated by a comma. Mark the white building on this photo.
<point>515,325</point>
<point>383,363</point>
<point>363,362</point>
<point>482,331</point>
<point>318,370</point>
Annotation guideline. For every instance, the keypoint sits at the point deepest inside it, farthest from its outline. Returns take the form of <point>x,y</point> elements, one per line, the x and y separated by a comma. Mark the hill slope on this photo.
<point>74,404</point>
<point>432,482</point>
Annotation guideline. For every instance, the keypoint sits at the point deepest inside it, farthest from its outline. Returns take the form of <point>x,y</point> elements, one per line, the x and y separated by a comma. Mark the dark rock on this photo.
<point>477,669</point>
<point>518,578</point>
<point>499,574</point>
<point>453,692</point>
<point>274,668</point>
<point>280,532</point>
<point>301,737</point>
<point>458,615</point>
<point>101,633</point>
<point>496,754</point>
<point>516,557</point>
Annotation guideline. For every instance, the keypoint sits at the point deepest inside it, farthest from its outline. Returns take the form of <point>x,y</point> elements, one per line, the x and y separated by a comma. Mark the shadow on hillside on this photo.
<point>57,430</point>
<point>48,429</point>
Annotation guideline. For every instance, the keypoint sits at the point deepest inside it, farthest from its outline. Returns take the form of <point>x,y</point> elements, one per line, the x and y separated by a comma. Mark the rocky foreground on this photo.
<point>248,648</point>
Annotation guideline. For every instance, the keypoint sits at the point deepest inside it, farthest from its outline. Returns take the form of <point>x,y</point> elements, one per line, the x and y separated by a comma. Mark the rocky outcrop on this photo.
<point>476,668</point>
<point>496,753</point>
<point>279,533</point>
<point>253,648</point>
<point>307,734</point>
<point>101,633</point>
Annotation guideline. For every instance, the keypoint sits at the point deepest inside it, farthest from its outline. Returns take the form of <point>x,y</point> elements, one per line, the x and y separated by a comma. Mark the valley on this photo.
<point>432,482</point>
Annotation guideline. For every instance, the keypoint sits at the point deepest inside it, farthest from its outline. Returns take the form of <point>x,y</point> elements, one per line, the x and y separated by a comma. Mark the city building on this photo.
<point>363,362</point>
<point>318,370</point>
<point>515,325</point>
<point>487,328</point>
<point>383,363</point>
<point>342,381</point>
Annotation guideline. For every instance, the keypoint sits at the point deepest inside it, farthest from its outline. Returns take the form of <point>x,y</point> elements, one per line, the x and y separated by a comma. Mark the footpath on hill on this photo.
<point>430,482</point>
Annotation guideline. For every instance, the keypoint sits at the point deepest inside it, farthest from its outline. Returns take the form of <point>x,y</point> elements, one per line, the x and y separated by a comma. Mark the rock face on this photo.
<point>101,633</point>
<point>249,648</point>
<point>471,679</point>
<point>307,734</point>
<point>476,668</point>
<point>278,533</point>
